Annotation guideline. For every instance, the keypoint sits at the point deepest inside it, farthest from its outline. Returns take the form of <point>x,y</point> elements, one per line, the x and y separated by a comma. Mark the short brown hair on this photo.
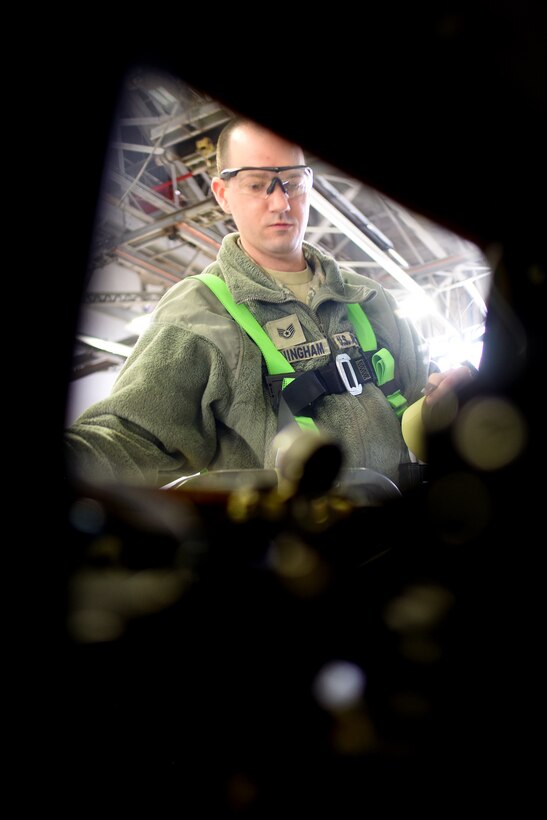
<point>224,139</point>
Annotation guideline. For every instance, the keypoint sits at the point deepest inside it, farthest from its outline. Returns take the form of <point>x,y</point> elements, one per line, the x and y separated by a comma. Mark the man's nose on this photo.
<point>277,198</point>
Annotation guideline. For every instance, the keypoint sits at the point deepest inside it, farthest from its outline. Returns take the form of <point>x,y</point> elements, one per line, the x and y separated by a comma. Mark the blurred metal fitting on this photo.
<point>307,462</point>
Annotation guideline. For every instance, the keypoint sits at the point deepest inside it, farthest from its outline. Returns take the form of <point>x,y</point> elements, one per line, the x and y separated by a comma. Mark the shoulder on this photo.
<point>187,302</point>
<point>367,292</point>
<point>350,277</point>
<point>194,309</point>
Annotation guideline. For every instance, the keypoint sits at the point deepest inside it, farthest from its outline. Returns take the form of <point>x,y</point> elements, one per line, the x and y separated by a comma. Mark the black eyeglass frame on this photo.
<point>228,173</point>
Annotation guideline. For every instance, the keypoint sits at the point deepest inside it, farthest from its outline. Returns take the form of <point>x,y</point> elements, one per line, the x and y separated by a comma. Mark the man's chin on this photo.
<point>287,241</point>
<point>283,249</point>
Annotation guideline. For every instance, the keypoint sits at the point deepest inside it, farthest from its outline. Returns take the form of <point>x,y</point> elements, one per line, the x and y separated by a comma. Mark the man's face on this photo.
<point>271,227</point>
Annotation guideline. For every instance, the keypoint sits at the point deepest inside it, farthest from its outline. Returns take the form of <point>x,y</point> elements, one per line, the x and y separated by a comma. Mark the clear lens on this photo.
<point>295,182</point>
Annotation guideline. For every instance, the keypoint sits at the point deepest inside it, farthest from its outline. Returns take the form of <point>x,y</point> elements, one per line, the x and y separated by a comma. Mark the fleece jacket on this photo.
<point>192,395</point>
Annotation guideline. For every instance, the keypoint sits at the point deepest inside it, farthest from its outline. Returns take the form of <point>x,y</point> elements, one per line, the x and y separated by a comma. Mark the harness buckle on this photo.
<point>345,367</point>
<point>275,385</point>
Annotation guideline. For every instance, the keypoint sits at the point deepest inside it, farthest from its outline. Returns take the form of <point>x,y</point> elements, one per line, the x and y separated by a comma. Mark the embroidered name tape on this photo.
<point>345,339</point>
<point>308,350</point>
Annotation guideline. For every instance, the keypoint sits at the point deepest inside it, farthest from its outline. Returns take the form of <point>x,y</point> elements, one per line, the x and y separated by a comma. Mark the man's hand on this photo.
<point>439,385</point>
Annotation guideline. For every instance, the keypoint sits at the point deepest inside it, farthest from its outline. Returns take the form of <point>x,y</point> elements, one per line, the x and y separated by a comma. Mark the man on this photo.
<point>195,395</point>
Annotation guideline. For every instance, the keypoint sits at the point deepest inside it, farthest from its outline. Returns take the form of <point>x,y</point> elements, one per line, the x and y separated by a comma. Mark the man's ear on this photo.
<point>218,188</point>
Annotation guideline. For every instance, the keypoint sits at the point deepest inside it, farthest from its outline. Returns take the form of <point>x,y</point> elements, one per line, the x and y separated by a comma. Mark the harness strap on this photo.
<point>341,376</point>
<point>382,360</point>
<point>275,361</point>
<point>363,328</point>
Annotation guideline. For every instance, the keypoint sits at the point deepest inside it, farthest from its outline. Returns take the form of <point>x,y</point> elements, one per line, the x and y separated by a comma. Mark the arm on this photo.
<point>411,352</point>
<point>159,421</point>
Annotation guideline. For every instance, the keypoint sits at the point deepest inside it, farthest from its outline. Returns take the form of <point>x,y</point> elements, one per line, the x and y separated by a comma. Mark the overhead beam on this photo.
<point>346,227</point>
<point>180,215</point>
<point>103,297</point>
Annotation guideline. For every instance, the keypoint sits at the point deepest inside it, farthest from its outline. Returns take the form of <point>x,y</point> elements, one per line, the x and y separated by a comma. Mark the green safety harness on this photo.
<point>292,392</point>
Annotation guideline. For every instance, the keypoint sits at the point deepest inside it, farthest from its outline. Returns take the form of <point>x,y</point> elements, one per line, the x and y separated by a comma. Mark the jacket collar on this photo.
<point>248,281</point>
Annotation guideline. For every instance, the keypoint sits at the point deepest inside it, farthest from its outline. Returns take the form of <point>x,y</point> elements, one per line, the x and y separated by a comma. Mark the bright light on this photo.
<point>139,323</point>
<point>449,352</point>
<point>117,348</point>
<point>339,685</point>
<point>415,306</point>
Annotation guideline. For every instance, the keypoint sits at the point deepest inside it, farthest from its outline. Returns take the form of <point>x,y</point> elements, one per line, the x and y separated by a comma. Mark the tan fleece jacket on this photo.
<point>192,395</point>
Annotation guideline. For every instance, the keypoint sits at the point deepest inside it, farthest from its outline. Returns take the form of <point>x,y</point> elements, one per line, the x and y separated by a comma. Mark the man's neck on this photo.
<point>287,263</point>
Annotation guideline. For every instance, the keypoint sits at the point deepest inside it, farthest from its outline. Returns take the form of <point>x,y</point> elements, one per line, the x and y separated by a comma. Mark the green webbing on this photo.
<point>382,360</point>
<point>275,361</point>
<point>384,366</point>
<point>398,402</point>
<point>363,328</point>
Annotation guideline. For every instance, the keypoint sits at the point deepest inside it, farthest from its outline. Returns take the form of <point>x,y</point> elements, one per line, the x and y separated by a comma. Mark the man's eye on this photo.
<point>293,186</point>
<point>254,183</point>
